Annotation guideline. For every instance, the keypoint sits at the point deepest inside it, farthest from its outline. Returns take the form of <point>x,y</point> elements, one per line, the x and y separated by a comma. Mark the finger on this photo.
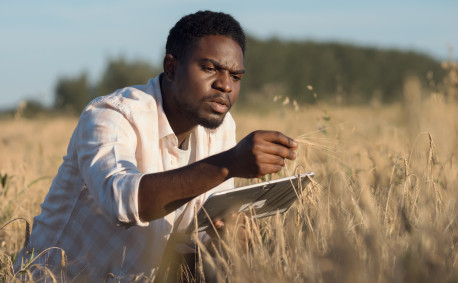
<point>275,149</point>
<point>217,230</point>
<point>268,169</point>
<point>271,159</point>
<point>278,138</point>
<point>219,224</point>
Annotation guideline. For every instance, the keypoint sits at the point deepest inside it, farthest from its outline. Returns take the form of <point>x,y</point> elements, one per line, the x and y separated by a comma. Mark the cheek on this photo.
<point>235,93</point>
<point>201,83</point>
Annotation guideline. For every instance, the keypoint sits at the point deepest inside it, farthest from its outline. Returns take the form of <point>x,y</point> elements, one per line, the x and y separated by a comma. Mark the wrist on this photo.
<point>229,163</point>
<point>224,161</point>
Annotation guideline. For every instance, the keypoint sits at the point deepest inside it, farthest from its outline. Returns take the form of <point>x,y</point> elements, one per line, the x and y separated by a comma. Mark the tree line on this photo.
<point>304,71</point>
<point>73,93</point>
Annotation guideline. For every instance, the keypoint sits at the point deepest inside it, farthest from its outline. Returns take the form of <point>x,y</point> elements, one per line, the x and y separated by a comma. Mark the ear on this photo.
<point>170,65</point>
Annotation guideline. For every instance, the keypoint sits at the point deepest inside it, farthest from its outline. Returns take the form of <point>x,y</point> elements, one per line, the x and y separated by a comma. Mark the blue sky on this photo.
<point>42,40</point>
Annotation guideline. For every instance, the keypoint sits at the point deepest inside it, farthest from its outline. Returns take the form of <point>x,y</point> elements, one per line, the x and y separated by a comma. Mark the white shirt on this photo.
<point>91,210</point>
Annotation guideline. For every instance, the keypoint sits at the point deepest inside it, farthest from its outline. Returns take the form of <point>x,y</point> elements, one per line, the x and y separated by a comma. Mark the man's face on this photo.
<point>208,80</point>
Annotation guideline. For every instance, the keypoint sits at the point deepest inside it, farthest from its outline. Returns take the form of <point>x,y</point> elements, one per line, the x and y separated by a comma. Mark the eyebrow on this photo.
<point>218,65</point>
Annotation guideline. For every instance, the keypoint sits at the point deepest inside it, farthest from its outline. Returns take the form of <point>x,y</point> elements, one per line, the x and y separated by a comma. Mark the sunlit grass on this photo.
<point>381,208</point>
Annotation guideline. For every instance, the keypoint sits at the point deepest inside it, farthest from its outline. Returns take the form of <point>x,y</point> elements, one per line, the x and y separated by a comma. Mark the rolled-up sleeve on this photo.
<point>106,146</point>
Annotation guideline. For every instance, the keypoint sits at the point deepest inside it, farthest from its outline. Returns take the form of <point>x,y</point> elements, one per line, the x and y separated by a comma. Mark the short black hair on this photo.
<point>186,33</point>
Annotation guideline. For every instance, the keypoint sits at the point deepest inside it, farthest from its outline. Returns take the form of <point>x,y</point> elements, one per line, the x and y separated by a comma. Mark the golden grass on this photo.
<point>382,207</point>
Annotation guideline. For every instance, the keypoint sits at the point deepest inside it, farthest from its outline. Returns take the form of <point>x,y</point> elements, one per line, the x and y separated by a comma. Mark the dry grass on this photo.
<point>382,207</point>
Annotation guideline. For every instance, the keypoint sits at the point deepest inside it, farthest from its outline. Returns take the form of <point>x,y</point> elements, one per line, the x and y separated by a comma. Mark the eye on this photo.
<point>236,77</point>
<point>209,69</point>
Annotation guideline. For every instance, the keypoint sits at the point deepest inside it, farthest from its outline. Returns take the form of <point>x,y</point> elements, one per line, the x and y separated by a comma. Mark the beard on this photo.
<point>197,116</point>
<point>206,122</point>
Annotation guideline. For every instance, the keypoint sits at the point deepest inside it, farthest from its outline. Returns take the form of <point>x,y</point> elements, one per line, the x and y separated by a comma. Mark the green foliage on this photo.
<point>72,94</point>
<point>32,109</point>
<point>120,73</point>
<point>353,74</point>
<point>26,109</point>
<point>304,71</point>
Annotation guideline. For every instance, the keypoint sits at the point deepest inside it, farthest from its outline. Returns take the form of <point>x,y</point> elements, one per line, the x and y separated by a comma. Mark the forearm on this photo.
<point>258,154</point>
<point>161,193</point>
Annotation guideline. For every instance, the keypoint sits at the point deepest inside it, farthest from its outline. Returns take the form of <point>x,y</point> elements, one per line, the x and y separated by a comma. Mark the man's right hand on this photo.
<point>260,153</point>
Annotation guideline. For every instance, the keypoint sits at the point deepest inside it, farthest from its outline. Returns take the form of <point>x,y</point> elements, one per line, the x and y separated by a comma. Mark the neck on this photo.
<point>181,126</point>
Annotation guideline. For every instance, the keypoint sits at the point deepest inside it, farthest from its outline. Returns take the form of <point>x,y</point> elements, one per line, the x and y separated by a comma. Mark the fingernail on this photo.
<point>219,224</point>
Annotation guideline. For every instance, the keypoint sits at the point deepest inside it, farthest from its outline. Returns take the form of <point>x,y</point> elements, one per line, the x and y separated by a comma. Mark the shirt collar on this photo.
<point>165,130</point>
<point>164,126</point>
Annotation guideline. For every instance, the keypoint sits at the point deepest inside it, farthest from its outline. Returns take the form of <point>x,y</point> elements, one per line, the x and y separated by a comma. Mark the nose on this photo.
<point>223,82</point>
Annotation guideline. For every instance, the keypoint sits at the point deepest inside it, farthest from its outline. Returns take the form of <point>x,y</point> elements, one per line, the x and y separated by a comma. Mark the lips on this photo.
<point>219,104</point>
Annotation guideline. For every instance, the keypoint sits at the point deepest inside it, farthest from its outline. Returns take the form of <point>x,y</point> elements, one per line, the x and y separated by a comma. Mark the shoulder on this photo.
<point>129,100</point>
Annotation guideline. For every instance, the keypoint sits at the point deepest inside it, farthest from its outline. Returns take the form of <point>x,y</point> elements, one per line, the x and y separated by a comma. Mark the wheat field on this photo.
<point>382,206</point>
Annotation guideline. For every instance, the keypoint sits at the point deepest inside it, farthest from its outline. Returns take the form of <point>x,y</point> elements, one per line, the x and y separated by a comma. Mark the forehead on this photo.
<point>220,48</point>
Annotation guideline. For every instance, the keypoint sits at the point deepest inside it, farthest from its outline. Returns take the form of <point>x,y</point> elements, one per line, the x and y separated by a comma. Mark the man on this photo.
<point>142,159</point>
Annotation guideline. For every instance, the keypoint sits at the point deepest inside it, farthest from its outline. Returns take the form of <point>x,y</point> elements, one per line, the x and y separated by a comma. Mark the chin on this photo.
<point>211,123</point>
<point>205,119</point>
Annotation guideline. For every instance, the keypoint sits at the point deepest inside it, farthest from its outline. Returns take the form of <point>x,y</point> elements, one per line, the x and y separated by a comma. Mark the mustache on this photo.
<point>219,98</point>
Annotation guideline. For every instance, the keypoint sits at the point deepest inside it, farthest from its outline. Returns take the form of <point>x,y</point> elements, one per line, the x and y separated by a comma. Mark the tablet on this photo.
<point>262,200</point>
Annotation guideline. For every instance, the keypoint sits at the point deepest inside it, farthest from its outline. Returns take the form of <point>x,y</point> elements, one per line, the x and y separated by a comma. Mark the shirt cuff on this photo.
<point>125,192</point>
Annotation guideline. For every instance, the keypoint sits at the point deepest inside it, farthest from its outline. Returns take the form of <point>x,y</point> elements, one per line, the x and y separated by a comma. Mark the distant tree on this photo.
<point>304,71</point>
<point>120,73</point>
<point>33,108</point>
<point>351,73</point>
<point>72,94</point>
